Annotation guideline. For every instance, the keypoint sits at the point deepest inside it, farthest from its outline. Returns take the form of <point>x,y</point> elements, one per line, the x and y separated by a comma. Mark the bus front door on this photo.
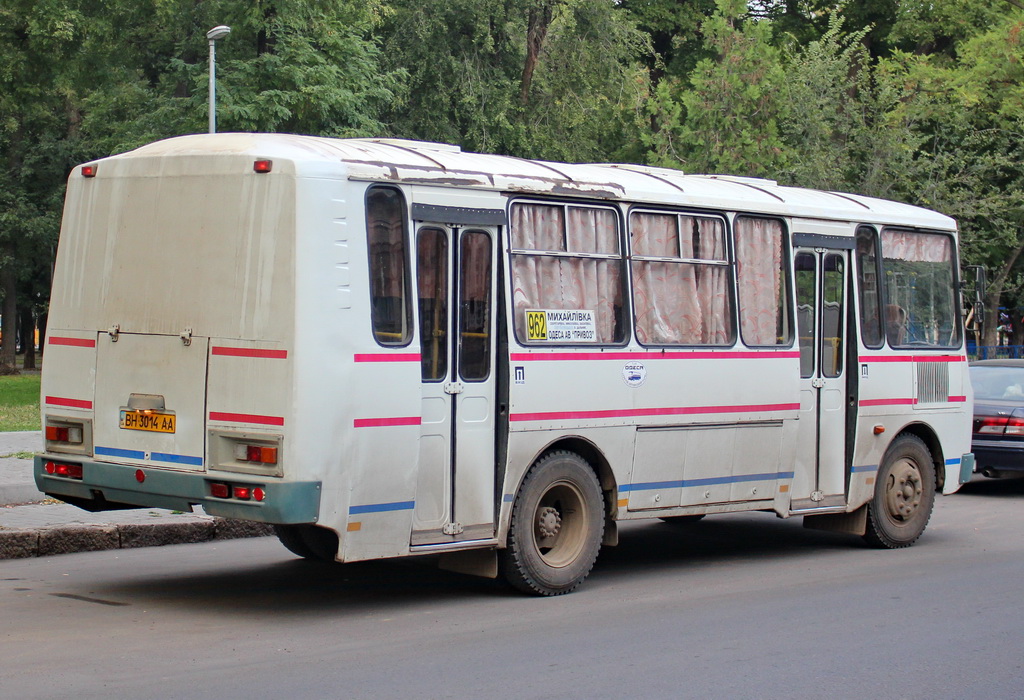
<point>819,481</point>
<point>455,284</point>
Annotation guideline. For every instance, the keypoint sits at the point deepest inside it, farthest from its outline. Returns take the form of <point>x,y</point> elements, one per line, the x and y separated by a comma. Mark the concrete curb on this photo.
<point>22,543</point>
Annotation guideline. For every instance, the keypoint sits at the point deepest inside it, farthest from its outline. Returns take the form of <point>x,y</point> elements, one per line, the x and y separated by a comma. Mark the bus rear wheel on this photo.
<point>904,494</point>
<point>557,526</point>
<point>308,541</point>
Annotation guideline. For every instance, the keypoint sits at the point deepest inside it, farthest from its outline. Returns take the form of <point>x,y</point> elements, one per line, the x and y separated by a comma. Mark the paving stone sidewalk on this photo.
<point>32,525</point>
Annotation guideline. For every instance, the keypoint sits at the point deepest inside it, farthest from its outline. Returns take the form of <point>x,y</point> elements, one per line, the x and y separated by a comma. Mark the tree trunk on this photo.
<point>9,319</point>
<point>28,337</point>
<point>538,22</point>
<point>994,295</point>
<point>41,324</point>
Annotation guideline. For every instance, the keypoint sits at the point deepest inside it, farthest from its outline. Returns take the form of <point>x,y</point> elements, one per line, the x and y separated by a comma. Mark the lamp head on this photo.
<point>218,32</point>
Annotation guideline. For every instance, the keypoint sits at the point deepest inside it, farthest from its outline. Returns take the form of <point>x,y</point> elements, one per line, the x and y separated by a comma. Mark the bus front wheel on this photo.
<point>904,494</point>
<point>557,526</point>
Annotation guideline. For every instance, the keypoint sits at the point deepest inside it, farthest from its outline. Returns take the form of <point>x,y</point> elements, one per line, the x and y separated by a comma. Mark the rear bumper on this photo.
<point>998,457</point>
<point>105,486</point>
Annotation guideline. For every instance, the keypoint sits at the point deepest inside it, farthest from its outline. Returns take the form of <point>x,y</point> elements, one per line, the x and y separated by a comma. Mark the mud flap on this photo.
<point>855,523</point>
<point>475,562</point>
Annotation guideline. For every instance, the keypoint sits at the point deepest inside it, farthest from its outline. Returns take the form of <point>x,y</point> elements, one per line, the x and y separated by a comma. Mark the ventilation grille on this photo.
<point>932,382</point>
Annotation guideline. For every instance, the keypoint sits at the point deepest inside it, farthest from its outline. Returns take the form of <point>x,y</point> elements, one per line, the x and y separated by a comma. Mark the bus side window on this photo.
<point>386,241</point>
<point>922,306</point>
<point>763,286</point>
<point>568,258</point>
<point>867,288</point>
<point>681,279</point>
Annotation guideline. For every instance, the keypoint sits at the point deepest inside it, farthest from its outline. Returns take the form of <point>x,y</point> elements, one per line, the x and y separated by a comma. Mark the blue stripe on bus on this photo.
<point>381,507</point>
<point>117,452</point>
<point>953,461</point>
<point>864,468</point>
<point>176,459</point>
<point>157,456</point>
<point>683,483</point>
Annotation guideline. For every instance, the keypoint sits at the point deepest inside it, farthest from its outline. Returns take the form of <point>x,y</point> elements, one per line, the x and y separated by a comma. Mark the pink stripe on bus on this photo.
<point>248,352</point>
<point>386,357</point>
<point>957,399</point>
<point>639,412</point>
<point>73,342</point>
<point>888,402</point>
<point>912,358</point>
<point>384,422</point>
<point>69,403</point>
<point>246,418</point>
<point>674,355</point>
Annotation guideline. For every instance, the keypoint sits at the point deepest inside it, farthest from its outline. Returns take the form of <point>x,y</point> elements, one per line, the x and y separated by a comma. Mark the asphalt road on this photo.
<point>732,607</point>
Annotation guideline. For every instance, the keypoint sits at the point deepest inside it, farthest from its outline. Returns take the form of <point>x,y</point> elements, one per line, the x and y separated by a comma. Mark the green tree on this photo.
<point>725,117</point>
<point>555,79</point>
<point>39,140</point>
<point>970,107</point>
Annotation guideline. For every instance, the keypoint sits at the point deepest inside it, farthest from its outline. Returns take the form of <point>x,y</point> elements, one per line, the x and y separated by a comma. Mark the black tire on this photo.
<point>557,526</point>
<point>308,541</point>
<point>904,494</point>
<point>682,519</point>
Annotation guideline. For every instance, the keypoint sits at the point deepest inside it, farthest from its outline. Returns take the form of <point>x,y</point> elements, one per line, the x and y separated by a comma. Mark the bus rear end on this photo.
<point>167,378</point>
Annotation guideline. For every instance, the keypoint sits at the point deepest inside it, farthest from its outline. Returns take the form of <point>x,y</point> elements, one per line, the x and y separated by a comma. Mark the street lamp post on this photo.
<point>218,32</point>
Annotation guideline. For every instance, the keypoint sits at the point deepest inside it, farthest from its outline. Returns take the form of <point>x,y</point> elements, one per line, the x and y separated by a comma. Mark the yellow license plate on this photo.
<point>148,420</point>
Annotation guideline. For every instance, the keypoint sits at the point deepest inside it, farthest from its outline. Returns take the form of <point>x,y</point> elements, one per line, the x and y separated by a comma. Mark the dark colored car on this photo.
<point>998,434</point>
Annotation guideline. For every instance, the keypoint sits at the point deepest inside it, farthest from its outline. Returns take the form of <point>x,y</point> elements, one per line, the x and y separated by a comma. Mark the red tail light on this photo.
<point>999,425</point>
<point>64,433</point>
<point>237,492</point>
<point>259,454</point>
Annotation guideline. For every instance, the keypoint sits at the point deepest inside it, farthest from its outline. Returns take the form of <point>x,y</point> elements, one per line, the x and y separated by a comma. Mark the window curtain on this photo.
<point>759,273</point>
<point>679,303</point>
<point>564,282</point>
<point>915,247</point>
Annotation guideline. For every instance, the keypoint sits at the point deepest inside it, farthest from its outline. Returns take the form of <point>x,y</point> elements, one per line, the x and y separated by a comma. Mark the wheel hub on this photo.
<point>905,491</point>
<point>549,522</point>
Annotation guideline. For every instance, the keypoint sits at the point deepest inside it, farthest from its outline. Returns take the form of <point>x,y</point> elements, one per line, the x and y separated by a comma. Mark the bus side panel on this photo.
<point>357,403</point>
<point>887,388</point>
<point>69,383</point>
<point>614,444</point>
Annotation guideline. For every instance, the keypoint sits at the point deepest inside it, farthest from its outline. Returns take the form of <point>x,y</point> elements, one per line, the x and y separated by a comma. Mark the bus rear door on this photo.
<point>455,283</point>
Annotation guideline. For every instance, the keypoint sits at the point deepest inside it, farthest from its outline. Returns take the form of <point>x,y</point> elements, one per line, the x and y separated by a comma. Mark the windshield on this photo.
<point>998,383</point>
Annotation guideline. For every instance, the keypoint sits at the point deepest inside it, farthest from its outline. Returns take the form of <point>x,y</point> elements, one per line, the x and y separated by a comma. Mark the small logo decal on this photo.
<point>634,373</point>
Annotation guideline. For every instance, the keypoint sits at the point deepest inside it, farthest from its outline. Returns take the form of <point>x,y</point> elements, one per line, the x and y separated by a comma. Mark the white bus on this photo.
<point>389,348</point>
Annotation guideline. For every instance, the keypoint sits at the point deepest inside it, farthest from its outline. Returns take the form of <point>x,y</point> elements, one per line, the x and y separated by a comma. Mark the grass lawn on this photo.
<point>19,402</point>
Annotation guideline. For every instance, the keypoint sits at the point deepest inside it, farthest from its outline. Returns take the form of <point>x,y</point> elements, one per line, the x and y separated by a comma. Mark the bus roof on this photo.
<point>423,163</point>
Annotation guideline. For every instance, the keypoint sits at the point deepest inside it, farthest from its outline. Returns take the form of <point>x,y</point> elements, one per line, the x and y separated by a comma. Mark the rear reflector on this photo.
<point>68,471</point>
<point>220,491</point>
